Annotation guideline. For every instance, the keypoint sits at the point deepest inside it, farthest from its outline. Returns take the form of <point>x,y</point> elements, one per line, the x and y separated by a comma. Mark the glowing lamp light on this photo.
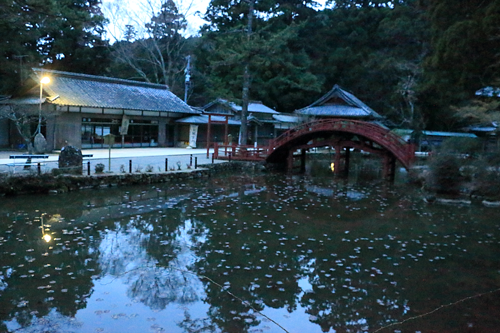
<point>45,80</point>
<point>332,166</point>
<point>47,238</point>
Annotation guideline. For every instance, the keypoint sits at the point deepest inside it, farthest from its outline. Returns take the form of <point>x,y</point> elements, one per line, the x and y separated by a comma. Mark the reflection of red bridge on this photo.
<point>341,134</point>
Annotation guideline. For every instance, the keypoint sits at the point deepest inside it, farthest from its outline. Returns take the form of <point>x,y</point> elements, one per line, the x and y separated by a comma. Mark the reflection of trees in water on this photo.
<point>200,325</point>
<point>53,322</point>
<point>157,287</point>
<point>260,257</point>
<point>45,281</point>
<point>63,269</point>
<point>149,253</point>
<point>248,263</point>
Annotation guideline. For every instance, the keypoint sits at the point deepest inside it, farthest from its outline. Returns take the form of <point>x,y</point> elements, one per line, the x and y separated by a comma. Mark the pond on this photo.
<point>249,253</point>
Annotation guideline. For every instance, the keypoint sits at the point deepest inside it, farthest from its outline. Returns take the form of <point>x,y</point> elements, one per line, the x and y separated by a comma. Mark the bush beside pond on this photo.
<point>459,166</point>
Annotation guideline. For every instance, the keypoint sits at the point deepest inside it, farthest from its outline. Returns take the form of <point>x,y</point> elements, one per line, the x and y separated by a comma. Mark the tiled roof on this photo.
<point>447,134</point>
<point>333,111</point>
<point>489,92</point>
<point>482,129</point>
<point>30,100</point>
<point>103,92</point>
<point>256,107</point>
<point>203,119</point>
<point>339,103</point>
<point>407,132</point>
<point>287,118</point>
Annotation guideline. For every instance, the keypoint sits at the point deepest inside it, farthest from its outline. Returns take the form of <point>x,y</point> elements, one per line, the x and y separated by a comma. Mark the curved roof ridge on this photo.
<point>351,101</point>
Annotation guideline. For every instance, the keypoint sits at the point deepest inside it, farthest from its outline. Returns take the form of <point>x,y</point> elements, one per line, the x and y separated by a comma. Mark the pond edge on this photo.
<point>57,184</point>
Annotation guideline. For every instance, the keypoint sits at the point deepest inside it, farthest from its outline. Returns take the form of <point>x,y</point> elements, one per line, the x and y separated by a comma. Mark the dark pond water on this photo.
<point>249,253</point>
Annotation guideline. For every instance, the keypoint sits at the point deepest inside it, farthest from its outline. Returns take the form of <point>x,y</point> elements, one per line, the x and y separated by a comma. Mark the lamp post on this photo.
<point>43,80</point>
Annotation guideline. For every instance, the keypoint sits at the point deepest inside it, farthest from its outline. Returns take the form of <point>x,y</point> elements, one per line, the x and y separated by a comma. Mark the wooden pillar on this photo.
<point>347,158</point>
<point>289,161</point>
<point>226,132</point>
<point>393,169</point>
<point>303,160</point>
<point>389,167</point>
<point>208,134</point>
<point>338,169</point>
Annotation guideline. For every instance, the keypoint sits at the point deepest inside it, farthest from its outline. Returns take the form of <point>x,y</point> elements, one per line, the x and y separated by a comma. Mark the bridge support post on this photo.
<point>303,160</point>
<point>338,158</point>
<point>347,160</point>
<point>389,167</point>
<point>289,161</point>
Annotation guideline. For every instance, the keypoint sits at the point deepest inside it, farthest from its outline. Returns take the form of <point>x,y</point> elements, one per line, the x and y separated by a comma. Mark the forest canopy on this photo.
<point>417,62</point>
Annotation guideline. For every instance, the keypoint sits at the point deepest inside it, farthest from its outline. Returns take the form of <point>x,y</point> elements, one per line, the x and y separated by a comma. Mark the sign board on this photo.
<point>125,124</point>
<point>193,134</point>
<point>109,139</point>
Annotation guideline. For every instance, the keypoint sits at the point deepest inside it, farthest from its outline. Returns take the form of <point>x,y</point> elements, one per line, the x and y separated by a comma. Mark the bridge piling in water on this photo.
<point>389,166</point>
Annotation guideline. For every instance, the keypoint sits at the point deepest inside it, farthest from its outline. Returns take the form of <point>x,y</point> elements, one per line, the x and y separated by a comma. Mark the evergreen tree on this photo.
<point>278,67</point>
<point>376,52</point>
<point>130,33</point>
<point>64,35</point>
<point>74,41</point>
<point>464,56</point>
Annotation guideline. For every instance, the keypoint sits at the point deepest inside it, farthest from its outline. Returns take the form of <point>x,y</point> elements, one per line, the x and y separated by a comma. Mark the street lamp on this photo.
<point>43,80</point>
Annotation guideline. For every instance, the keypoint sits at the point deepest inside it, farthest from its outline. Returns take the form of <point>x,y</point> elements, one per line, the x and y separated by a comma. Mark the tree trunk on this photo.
<point>244,108</point>
<point>246,83</point>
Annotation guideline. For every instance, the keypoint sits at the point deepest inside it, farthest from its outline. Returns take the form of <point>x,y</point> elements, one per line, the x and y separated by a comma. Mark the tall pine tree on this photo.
<point>278,67</point>
<point>63,35</point>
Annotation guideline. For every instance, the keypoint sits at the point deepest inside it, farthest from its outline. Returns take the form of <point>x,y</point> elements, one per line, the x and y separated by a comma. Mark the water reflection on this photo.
<point>44,279</point>
<point>151,261</point>
<point>236,253</point>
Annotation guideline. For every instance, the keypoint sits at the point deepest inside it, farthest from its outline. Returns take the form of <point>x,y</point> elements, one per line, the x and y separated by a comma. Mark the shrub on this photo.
<point>459,145</point>
<point>444,175</point>
<point>99,168</point>
<point>56,172</point>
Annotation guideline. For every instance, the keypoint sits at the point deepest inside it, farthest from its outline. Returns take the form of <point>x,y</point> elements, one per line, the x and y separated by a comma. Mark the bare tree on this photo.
<point>23,116</point>
<point>154,42</point>
<point>406,89</point>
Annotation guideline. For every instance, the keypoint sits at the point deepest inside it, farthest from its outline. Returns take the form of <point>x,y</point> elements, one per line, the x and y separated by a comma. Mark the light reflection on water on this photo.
<point>310,253</point>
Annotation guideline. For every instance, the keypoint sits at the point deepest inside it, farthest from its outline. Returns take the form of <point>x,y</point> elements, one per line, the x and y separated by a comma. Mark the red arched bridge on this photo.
<point>341,134</point>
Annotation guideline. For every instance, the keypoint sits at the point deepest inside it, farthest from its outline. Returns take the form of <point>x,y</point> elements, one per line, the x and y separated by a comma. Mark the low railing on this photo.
<point>121,165</point>
<point>240,152</point>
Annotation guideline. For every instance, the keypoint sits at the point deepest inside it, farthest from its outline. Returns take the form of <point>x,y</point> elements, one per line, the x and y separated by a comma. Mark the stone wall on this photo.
<point>52,184</point>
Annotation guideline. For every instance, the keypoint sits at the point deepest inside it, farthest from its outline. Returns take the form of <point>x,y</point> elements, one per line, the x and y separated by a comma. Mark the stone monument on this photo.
<point>40,144</point>
<point>70,160</point>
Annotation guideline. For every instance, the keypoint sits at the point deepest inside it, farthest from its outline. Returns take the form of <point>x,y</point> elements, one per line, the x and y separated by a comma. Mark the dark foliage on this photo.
<point>63,35</point>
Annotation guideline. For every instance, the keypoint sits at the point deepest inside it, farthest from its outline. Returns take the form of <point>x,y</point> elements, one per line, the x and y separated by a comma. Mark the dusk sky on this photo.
<point>139,11</point>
